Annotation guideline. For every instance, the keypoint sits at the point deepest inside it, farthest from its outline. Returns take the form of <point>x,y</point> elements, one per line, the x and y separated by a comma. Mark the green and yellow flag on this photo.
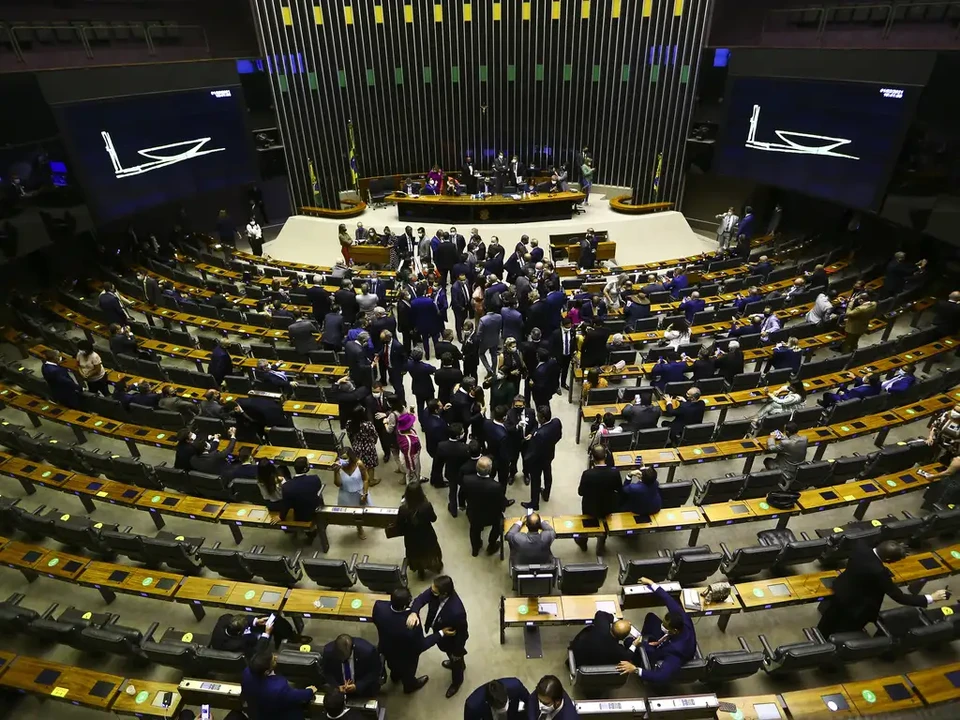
<point>314,185</point>
<point>656,175</point>
<point>354,168</point>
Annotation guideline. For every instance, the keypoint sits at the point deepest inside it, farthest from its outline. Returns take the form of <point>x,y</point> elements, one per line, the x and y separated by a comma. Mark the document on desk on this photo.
<point>547,608</point>
<point>691,599</point>
<point>607,606</point>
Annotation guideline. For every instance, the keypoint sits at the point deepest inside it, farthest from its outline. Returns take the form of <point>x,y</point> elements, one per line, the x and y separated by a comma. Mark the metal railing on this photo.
<point>882,16</point>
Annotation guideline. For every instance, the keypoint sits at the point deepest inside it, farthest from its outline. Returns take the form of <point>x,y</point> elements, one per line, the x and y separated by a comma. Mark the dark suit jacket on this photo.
<point>214,463</point>
<point>301,494</point>
<point>333,330</point>
<point>221,364</point>
<point>600,490</point>
<point>454,454</point>
<point>112,307</point>
<point>539,316</point>
<point>859,590</point>
<point>264,411</point>
<point>497,442</point>
<point>686,413</point>
<point>477,708</point>
<point>302,335</point>
<point>378,326</point>
<point>63,388</point>
<point>730,365</point>
<point>355,355</point>
<point>485,498</point>
<point>640,417</point>
<point>594,645</point>
<point>435,430</point>
<point>245,642</point>
<point>151,290</point>
<point>667,372</point>
<point>349,307</point>
<point>556,343</point>
<point>366,667</point>
<point>272,698</point>
<point>422,383</point>
<point>670,655</point>
<point>398,643</point>
<point>453,615</point>
<point>542,447</point>
<point>568,711</point>
<point>320,299</point>
<point>546,377</point>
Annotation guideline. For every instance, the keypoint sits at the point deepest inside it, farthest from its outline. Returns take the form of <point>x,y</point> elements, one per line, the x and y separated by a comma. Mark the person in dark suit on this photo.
<point>63,388</point>
<point>605,642</point>
<point>151,289</point>
<point>302,333</point>
<point>453,453</point>
<point>486,502</point>
<point>447,378</point>
<point>641,492</point>
<point>248,633</point>
<point>112,306</point>
<point>669,642</point>
<point>400,645</point>
<point>667,371</point>
<point>319,298</point>
<point>435,431</point>
<point>549,701</point>
<point>358,361</point>
<point>221,364</point>
<point>352,665</point>
<point>496,438</point>
<point>208,459</point>
<point>467,175</point>
<point>268,696</point>
<point>599,489</point>
<point>545,378</point>
<point>446,626</point>
<point>730,363</point>
<point>503,696</point>
<point>539,316</point>
<point>393,362</point>
<point>563,343</point>
<point>426,320</point>
<point>539,453</point>
<point>346,299</point>
<point>301,493</point>
<point>184,450</point>
<point>593,352</point>
<point>256,414</point>
<point>898,272</point>
<point>460,295</point>
<point>688,411</point>
<point>333,330</point>
<point>691,305</point>
<point>859,590</point>
<point>641,414</point>
<point>381,322</point>
<point>335,707</point>
<point>421,380</point>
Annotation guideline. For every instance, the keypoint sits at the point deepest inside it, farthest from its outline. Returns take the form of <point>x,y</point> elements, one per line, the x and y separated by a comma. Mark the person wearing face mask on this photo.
<point>605,642</point>
<point>549,701</point>
<point>502,699</point>
<point>944,435</point>
<point>268,695</point>
<point>669,642</point>
<point>63,389</point>
<point>446,626</point>
<point>185,449</point>
<point>901,380</point>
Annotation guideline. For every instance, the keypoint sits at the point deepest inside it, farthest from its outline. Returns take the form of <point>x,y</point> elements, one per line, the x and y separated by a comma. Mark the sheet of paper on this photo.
<point>607,606</point>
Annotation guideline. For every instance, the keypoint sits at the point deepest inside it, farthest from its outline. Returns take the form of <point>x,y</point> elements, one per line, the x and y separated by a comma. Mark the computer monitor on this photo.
<point>530,585</point>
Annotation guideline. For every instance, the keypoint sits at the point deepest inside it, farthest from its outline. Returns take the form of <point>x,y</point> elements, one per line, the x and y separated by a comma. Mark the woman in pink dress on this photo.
<point>410,446</point>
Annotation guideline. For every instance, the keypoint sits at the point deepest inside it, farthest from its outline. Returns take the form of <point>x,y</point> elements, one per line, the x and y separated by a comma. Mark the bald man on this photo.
<point>605,642</point>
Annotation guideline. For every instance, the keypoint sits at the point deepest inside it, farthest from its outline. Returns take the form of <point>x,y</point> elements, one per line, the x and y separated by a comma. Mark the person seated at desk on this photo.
<point>867,386</point>
<point>901,380</point>
<point>669,642</point>
<point>605,642</point>
<point>688,411</point>
<point>268,696</point>
<point>530,186</point>
<point>410,187</point>
<point>533,546</point>
<point>786,355</point>
<point>206,457</point>
<point>756,323</point>
<point>171,402</point>
<point>352,666</point>
<point>244,633</point>
<point>145,396</point>
<point>641,414</point>
<point>791,452</point>
<point>453,186</point>
<point>335,707</point>
<point>641,492</point>
<point>691,305</point>
<point>753,295</point>
<point>497,700</point>
<point>668,371</point>
<point>549,701</point>
<point>277,380</point>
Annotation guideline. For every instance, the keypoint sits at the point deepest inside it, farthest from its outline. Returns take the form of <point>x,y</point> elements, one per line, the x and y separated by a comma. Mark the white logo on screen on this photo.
<point>891,92</point>
<point>796,143</point>
<point>157,158</point>
<point>220,93</point>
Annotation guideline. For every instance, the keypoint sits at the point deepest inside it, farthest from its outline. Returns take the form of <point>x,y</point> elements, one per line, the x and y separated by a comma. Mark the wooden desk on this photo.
<point>747,705</point>
<point>89,688</point>
<point>813,587</point>
<point>728,513</point>
<point>159,503</point>
<point>951,556</point>
<point>310,603</point>
<point>110,579</point>
<point>874,697</point>
<point>237,515</point>
<point>812,704</point>
<point>61,566</point>
<point>229,594</point>
<point>765,594</point>
<point>936,685</point>
<point>915,570</point>
<point>554,610</point>
<point>359,606</point>
<point>496,208</point>
<point>147,700</point>
<point>852,493</point>
<point>370,254</point>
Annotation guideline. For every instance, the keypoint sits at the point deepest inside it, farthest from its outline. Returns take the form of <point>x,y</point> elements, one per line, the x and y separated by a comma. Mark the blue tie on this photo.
<point>346,672</point>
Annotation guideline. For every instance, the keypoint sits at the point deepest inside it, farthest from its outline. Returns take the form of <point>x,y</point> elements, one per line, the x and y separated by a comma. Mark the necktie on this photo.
<point>347,675</point>
<point>566,342</point>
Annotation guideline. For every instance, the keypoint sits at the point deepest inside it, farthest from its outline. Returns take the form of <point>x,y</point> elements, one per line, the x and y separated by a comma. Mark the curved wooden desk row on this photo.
<point>354,208</point>
<point>196,592</point>
<point>820,437</point>
<point>742,398</point>
<point>621,204</point>
<point>206,269</point>
<point>494,208</point>
<point>291,407</point>
<point>133,435</point>
<point>92,689</point>
<point>694,518</point>
<point>199,357</point>
<point>305,268</point>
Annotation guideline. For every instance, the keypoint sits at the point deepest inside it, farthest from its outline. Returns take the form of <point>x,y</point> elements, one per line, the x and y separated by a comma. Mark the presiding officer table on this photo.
<point>496,208</point>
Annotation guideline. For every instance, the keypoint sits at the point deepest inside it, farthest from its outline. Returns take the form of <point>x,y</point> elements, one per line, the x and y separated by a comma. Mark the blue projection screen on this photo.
<point>140,151</point>
<point>835,140</point>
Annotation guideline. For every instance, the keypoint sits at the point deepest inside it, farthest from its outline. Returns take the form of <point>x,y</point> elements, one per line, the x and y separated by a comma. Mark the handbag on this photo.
<point>782,500</point>
<point>716,592</point>
<point>392,531</point>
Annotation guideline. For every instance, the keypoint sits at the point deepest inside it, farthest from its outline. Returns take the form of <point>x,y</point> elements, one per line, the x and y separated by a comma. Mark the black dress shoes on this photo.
<point>420,682</point>
<point>452,690</point>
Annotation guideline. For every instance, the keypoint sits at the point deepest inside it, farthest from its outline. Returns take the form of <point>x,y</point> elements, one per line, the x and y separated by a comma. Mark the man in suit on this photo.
<point>691,305</point>
<point>446,347</point>
<point>791,452</point>
<point>258,413</point>
<point>301,493</point>
<point>539,316</point>
<point>268,696</point>
<point>333,330</point>
<point>593,351</point>
<point>545,378</point>
<point>745,226</point>
<point>521,422</point>
<point>532,546</point>
<point>729,364</point>
<point>435,430</point>
<point>605,642</point>
<point>688,411</point>
<point>667,371</point>
<point>468,175</point>
<point>511,325</point>
<point>276,380</point>
<point>319,298</point>
<point>248,633</point>
<point>335,707</point>
<point>352,665</point>
<point>903,379</point>
<point>355,355</point>
<point>377,287</point>
<point>641,414</point>
<point>151,289</point>
<point>302,333</point>
<point>392,362</point>
<point>728,223</point>
<point>497,700</point>
<point>426,320</point>
<point>221,364</point>
<point>486,502</point>
<point>497,440</point>
<point>460,303</point>
<point>445,257</point>
<point>599,490</point>
<point>446,624</point>
<point>489,331</point>
<point>212,407</point>
<point>453,452</point>
<point>208,459</point>
<point>63,388</point>
<point>381,322</point>
<point>668,642</point>
<point>562,346</point>
<point>399,644</point>
<point>111,305</point>
<point>346,300</point>
<point>859,590</point>
<point>549,701</point>
<point>539,453</point>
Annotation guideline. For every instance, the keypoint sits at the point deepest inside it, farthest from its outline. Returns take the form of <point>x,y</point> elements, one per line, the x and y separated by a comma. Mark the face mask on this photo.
<point>664,628</point>
<point>955,415</point>
<point>546,708</point>
<point>344,461</point>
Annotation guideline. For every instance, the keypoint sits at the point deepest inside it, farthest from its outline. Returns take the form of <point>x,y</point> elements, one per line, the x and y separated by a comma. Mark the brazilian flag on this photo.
<point>354,167</point>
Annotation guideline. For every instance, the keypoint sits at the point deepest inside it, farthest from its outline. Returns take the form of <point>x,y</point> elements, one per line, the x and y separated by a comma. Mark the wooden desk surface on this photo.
<point>838,495</point>
<point>106,490</point>
<point>36,472</point>
<point>872,697</point>
<point>167,503</point>
<point>146,700</point>
<point>747,707</point>
<point>659,457</point>
<point>61,565</point>
<point>20,555</point>
<point>729,513</point>
<point>518,610</point>
<point>812,704</point>
<point>936,685</point>
<point>91,688</point>
<point>760,509</point>
<point>951,556</point>
<point>304,602</point>
<point>359,606</point>
<point>906,480</point>
<point>570,196</point>
<point>762,594</point>
<point>5,659</point>
<point>922,566</point>
<point>253,597</point>
<point>628,523</point>
<point>130,579</point>
<point>583,607</point>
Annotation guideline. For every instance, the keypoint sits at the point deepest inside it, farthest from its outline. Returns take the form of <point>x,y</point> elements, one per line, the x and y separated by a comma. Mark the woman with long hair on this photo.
<point>91,368</point>
<point>345,242</point>
<point>415,520</point>
<point>269,483</point>
<point>510,366</point>
<point>363,439</point>
<point>352,482</point>
<point>410,446</point>
<point>678,333</point>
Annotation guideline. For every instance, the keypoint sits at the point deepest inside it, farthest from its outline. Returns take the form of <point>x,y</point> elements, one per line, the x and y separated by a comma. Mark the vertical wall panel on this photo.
<point>425,81</point>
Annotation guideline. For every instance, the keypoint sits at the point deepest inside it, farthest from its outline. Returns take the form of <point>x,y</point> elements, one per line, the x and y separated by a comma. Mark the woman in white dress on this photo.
<point>352,482</point>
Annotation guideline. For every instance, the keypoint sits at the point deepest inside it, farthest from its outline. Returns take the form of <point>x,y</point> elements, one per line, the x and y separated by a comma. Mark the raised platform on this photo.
<point>496,208</point>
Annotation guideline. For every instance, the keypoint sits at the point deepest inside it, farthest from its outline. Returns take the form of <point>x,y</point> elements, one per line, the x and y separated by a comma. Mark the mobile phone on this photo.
<point>204,712</point>
<point>271,619</point>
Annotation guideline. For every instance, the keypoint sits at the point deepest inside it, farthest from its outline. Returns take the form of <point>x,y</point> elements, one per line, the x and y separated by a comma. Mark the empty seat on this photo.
<point>179,554</point>
<point>226,563</point>
<point>380,577</point>
<point>306,667</point>
<point>692,566</point>
<point>854,646</point>
<point>840,545</point>
<point>594,680</point>
<point>210,486</point>
<point>651,438</point>
<point>793,657</point>
<point>329,573</point>
<point>656,569</point>
<point>911,630</point>
<point>792,551</point>
<point>747,561</point>
<point>275,569</point>
<point>813,474</point>
<point>284,437</point>
<point>675,494</point>
<point>696,434</point>
<point>220,661</point>
<point>848,467</point>
<point>734,430</point>
<point>110,638</point>
<point>125,543</point>
<point>729,665</point>
<point>760,484</point>
<point>581,578</point>
<point>718,490</point>
<point>13,617</point>
<point>321,439</point>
